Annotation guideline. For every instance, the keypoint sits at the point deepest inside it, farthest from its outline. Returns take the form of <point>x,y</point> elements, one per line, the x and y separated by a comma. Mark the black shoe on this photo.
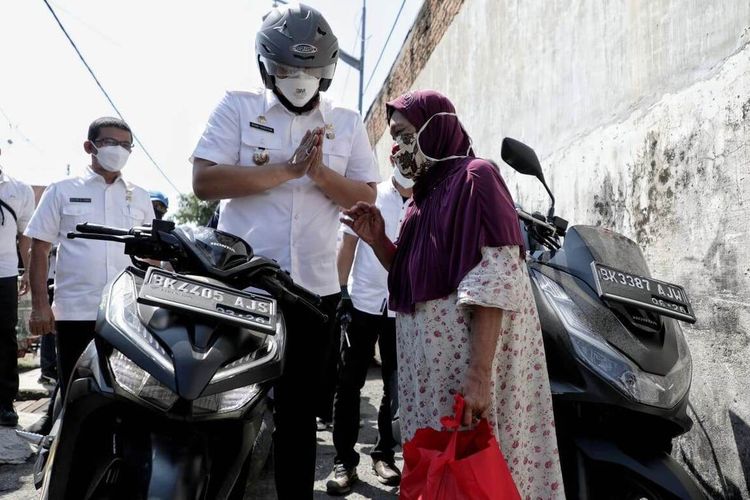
<point>47,382</point>
<point>323,425</point>
<point>8,416</point>
<point>386,472</point>
<point>343,479</point>
<point>42,426</point>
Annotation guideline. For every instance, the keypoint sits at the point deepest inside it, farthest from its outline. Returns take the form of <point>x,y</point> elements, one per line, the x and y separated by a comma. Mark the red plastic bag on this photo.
<point>456,465</point>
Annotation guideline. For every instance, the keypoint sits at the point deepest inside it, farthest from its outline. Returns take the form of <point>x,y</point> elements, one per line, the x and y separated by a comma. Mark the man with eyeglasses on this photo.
<point>283,159</point>
<point>100,196</point>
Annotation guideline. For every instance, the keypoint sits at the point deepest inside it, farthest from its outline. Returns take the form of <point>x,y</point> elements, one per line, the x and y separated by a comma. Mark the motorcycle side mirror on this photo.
<point>523,160</point>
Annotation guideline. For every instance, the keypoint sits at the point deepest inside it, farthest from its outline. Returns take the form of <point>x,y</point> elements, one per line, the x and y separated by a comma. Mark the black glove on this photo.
<point>345,307</point>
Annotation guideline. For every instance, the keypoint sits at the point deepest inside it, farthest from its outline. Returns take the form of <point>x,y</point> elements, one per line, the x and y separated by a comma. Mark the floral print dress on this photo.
<point>434,347</point>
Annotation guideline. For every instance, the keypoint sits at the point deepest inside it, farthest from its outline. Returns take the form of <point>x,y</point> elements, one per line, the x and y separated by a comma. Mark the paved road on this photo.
<point>15,480</point>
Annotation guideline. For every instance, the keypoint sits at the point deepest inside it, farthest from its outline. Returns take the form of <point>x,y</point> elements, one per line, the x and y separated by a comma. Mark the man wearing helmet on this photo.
<point>284,159</point>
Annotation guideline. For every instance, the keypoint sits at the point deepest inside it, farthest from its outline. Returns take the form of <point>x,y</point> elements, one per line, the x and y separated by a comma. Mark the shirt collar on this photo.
<point>91,176</point>
<point>272,101</point>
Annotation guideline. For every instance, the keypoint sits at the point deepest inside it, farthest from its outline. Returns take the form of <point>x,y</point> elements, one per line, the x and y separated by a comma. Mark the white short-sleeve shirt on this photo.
<point>20,197</point>
<point>84,267</point>
<point>368,280</point>
<point>293,223</point>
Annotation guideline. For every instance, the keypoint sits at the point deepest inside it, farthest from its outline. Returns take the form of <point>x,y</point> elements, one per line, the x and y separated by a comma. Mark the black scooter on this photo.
<point>170,399</point>
<point>620,369</point>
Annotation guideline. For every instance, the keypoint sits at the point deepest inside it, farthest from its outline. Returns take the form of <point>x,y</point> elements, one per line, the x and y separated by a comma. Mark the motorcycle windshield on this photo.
<point>613,249</point>
<point>221,250</point>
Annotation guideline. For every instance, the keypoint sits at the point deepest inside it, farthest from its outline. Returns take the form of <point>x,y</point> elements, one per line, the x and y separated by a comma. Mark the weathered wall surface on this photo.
<point>676,178</point>
<point>640,113</point>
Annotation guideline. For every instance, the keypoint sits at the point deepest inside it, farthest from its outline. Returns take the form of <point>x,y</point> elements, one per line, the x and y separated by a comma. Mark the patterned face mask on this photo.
<point>411,160</point>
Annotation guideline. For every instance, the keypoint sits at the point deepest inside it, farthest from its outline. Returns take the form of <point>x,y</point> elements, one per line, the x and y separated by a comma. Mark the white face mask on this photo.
<point>298,90</point>
<point>112,158</point>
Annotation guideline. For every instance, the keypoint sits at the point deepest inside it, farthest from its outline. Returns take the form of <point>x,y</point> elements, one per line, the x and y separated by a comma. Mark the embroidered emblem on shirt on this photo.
<point>260,156</point>
<point>80,200</point>
<point>262,119</point>
<point>264,128</point>
<point>330,131</point>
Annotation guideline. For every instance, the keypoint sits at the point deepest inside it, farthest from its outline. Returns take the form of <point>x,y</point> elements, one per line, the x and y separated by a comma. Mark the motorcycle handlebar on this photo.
<point>280,284</point>
<point>303,293</point>
<point>87,228</point>
<point>293,294</point>
<point>529,218</point>
<point>100,236</point>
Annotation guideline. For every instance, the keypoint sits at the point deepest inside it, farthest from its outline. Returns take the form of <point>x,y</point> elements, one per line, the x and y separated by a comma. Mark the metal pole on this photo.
<point>362,55</point>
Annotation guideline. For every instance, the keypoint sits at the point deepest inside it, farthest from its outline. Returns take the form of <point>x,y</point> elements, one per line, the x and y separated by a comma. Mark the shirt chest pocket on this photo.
<point>74,214</point>
<point>260,148</point>
<point>336,155</point>
<point>132,216</point>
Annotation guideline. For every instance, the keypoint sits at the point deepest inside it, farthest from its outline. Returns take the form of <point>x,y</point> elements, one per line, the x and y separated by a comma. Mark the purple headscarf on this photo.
<point>459,207</point>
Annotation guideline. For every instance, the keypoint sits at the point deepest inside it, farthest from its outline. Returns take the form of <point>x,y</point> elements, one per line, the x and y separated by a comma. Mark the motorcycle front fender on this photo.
<point>179,469</point>
<point>657,468</point>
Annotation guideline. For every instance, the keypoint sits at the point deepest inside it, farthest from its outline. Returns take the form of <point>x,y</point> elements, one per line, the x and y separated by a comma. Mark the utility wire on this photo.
<point>382,51</point>
<point>16,130</point>
<point>135,137</point>
<point>356,39</point>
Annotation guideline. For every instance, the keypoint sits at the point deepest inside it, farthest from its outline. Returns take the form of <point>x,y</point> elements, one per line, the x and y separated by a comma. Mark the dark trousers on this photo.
<point>8,343</point>
<point>329,369</point>
<point>296,399</point>
<point>72,339</point>
<point>47,350</point>
<point>364,330</point>
<point>48,356</point>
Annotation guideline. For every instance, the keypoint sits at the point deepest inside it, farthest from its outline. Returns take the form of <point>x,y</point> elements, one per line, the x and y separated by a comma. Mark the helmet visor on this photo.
<point>283,71</point>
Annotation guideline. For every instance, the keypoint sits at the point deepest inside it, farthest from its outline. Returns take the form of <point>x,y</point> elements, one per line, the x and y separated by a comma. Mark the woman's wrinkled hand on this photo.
<point>476,392</point>
<point>367,222</point>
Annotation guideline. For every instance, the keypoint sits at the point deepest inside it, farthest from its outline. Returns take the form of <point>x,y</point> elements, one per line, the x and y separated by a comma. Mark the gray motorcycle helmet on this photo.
<point>296,36</point>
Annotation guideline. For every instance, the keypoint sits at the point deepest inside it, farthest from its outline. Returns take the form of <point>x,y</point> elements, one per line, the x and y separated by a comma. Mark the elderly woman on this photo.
<point>466,319</point>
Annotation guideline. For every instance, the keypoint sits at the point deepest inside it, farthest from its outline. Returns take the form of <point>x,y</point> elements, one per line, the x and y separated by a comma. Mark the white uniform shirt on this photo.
<point>20,197</point>
<point>368,279</point>
<point>293,223</point>
<point>84,267</point>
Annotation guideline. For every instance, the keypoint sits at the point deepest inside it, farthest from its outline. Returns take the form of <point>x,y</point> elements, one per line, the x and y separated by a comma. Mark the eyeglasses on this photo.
<point>111,142</point>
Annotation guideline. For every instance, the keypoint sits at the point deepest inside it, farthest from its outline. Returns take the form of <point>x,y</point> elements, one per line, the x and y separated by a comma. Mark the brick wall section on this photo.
<point>432,22</point>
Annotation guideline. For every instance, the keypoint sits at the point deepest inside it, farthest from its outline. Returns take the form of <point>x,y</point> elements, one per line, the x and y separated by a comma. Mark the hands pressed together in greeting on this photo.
<point>308,157</point>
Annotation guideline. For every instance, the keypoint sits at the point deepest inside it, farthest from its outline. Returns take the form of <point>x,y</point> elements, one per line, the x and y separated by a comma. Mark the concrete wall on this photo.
<point>640,113</point>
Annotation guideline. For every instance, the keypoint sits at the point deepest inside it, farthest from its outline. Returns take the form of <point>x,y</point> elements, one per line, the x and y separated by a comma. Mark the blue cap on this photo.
<point>159,196</point>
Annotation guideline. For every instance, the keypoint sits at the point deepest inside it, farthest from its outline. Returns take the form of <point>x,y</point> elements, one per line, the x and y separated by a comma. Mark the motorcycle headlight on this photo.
<point>138,382</point>
<point>266,348</point>
<point>611,364</point>
<point>122,313</point>
<point>225,401</point>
